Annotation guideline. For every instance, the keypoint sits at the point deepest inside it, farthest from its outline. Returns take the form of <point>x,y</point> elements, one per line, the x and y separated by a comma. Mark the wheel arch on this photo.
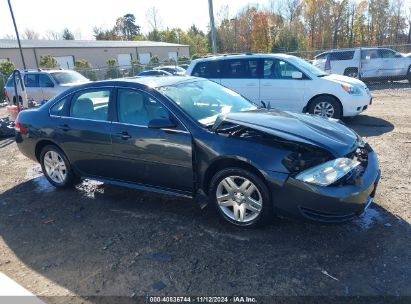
<point>41,144</point>
<point>350,68</point>
<point>321,95</point>
<point>228,162</point>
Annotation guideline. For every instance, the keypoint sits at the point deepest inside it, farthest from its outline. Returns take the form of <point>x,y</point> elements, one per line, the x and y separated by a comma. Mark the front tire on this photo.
<point>325,106</point>
<point>56,167</point>
<point>409,74</point>
<point>241,197</point>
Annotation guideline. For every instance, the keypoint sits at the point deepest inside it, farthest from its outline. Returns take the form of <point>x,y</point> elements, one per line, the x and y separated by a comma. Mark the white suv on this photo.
<point>366,63</point>
<point>285,82</point>
<point>42,85</point>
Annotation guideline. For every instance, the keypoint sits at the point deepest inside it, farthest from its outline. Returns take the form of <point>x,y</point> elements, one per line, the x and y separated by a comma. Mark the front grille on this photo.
<point>325,217</point>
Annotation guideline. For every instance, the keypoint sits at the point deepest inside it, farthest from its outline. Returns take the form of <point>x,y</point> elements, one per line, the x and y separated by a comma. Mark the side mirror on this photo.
<point>49,85</point>
<point>398,55</point>
<point>297,75</point>
<point>161,123</point>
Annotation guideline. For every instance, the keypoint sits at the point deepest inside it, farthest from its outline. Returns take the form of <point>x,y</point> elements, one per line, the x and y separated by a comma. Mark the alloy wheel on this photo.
<point>239,199</point>
<point>55,167</point>
<point>324,109</point>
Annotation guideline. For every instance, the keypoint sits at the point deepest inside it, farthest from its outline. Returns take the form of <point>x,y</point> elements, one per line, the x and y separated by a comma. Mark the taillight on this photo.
<point>18,126</point>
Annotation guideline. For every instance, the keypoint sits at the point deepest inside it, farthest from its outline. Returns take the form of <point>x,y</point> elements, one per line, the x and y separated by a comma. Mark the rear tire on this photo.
<point>241,197</point>
<point>409,74</point>
<point>325,106</point>
<point>56,167</point>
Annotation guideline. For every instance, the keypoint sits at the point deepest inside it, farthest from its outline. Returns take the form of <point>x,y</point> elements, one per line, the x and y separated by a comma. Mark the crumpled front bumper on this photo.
<point>328,204</point>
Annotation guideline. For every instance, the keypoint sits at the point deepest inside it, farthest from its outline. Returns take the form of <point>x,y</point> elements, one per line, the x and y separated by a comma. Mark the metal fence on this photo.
<point>113,72</point>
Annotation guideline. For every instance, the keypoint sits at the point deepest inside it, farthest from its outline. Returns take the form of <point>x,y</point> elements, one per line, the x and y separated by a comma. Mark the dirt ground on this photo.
<point>102,240</point>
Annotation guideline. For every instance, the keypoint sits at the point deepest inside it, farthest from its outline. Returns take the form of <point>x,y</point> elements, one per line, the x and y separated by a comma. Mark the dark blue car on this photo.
<point>191,137</point>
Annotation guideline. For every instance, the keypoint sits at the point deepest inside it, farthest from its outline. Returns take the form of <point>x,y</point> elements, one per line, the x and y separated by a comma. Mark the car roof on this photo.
<point>152,81</point>
<point>45,71</point>
<point>240,56</point>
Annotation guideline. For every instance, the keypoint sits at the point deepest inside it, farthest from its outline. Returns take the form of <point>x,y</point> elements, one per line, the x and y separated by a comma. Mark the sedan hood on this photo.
<point>329,135</point>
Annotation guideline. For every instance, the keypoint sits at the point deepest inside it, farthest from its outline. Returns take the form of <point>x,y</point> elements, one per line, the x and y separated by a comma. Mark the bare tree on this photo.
<point>30,34</point>
<point>292,8</point>
<point>10,37</point>
<point>153,18</point>
<point>52,35</point>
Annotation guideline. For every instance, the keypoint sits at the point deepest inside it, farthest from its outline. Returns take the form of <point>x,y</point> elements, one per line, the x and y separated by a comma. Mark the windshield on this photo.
<point>204,100</point>
<point>68,77</point>
<point>308,66</point>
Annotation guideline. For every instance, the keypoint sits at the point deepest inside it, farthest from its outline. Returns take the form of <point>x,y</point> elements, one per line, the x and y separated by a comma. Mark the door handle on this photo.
<point>64,127</point>
<point>267,85</point>
<point>250,84</point>
<point>124,135</point>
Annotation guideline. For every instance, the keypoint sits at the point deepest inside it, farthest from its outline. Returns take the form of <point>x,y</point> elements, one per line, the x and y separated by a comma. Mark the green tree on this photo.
<point>183,59</point>
<point>84,67</point>
<point>48,62</point>
<point>112,69</point>
<point>67,35</point>
<point>154,60</point>
<point>6,67</point>
<point>126,27</point>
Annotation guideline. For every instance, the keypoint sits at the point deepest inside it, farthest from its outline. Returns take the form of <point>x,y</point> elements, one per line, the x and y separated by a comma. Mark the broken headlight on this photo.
<point>329,172</point>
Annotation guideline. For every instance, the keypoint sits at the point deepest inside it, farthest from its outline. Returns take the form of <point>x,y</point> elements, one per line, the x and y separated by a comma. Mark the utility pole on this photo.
<point>17,35</point>
<point>213,33</point>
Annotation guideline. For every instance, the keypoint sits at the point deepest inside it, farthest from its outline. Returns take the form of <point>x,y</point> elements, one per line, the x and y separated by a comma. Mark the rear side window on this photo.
<point>346,55</point>
<point>240,68</point>
<point>30,80</point>
<point>57,108</point>
<point>90,104</point>
<point>10,82</point>
<point>45,81</point>
<point>207,69</point>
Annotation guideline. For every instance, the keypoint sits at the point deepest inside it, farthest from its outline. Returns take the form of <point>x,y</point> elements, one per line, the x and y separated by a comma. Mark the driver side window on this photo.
<point>138,108</point>
<point>278,69</point>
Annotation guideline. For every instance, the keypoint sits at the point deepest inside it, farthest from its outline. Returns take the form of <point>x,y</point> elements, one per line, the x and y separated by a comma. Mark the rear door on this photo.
<point>84,131</point>
<point>279,88</point>
<point>31,82</point>
<point>155,157</point>
<point>241,75</point>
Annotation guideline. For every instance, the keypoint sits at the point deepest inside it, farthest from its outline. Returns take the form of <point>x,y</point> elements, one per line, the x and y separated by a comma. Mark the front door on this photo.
<point>372,65</point>
<point>241,76</point>
<point>393,67</point>
<point>278,88</point>
<point>154,157</point>
<point>47,86</point>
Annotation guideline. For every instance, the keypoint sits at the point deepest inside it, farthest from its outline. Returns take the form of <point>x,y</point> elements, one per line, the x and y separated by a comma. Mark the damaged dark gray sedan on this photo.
<point>194,138</point>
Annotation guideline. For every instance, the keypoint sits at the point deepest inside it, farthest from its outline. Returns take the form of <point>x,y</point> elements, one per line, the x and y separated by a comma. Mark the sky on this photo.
<point>80,16</point>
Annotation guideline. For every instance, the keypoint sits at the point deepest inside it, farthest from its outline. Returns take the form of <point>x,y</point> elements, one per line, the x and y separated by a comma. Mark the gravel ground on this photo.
<point>102,240</point>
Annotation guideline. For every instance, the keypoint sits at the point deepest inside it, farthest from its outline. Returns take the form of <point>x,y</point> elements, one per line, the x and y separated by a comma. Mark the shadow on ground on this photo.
<point>388,85</point>
<point>103,240</point>
<point>367,126</point>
